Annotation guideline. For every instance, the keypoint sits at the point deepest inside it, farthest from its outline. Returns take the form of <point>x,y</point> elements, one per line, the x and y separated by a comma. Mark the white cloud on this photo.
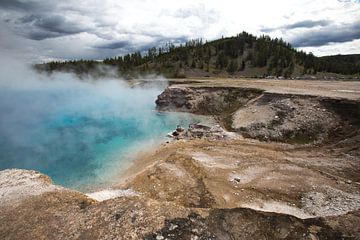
<point>335,48</point>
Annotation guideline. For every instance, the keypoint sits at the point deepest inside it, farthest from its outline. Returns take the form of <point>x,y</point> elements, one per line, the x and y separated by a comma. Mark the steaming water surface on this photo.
<point>80,134</point>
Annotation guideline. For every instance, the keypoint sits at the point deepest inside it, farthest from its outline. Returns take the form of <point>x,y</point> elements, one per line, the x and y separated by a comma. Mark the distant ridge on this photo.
<point>242,55</point>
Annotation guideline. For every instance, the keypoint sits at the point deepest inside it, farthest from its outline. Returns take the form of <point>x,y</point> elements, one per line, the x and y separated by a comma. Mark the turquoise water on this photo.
<point>80,134</point>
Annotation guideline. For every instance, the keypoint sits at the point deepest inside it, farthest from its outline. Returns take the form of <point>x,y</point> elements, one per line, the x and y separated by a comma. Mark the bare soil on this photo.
<point>331,89</point>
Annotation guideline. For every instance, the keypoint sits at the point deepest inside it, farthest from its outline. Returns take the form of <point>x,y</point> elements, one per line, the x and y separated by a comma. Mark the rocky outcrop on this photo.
<point>220,102</point>
<point>200,131</point>
<point>293,118</point>
<point>243,224</point>
<point>40,210</point>
<point>298,119</point>
<point>204,100</point>
<point>17,185</point>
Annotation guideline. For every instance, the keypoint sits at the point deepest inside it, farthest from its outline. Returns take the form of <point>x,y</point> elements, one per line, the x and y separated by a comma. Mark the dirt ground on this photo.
<point>332,89</point>
<point>301,181</point>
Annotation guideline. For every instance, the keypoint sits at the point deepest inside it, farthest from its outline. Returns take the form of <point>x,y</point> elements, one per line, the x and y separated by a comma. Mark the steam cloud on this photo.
<point>65,127</point>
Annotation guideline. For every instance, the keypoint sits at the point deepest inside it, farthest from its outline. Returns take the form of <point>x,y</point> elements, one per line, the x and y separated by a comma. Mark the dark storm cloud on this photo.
<point>328,33</point>
<point>334,34</point>
<point>129,46</point>
<point>39,20</point>
<point>301,24</point>
<point>49,26</point>
<point>19,5</point>
<point>41,35</point>
<point>115,45</point>
<point>308,24</point>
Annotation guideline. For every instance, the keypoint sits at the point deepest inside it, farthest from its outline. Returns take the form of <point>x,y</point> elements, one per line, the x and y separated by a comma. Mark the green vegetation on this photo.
<point>243,54</point>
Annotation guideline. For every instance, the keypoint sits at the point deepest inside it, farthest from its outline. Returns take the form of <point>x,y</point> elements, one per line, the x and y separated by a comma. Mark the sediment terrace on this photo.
<point>290,169</point>
<point>286,111</point>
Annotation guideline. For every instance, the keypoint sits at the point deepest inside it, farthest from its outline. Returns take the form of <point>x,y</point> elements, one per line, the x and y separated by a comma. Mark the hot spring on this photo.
<point>81,134</point>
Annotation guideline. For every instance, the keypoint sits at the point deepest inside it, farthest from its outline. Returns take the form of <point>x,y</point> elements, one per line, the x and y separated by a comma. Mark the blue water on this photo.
<point>79,134</point>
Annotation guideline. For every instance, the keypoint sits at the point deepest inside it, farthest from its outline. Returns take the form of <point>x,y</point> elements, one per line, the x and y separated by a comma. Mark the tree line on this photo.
<point>242,54</point>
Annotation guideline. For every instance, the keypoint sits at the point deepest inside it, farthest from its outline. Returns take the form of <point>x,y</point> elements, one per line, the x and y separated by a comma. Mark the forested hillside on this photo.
<point>242,55</point>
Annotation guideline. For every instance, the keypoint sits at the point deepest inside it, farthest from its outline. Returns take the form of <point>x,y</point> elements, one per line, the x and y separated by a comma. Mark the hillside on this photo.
<point>242,55</point>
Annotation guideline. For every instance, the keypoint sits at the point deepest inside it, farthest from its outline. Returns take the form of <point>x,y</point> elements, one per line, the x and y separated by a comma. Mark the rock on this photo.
<point>159,237</point>
<point>173,227</point>
<point>179,128</point>
<point>16,185</point>
<point>340,182</point>
<point>203,100</point>
<point>194,237</point>
<point>313,237</point>
<point>195,230</point>
<point>236,179</point>
<point>199,131</point>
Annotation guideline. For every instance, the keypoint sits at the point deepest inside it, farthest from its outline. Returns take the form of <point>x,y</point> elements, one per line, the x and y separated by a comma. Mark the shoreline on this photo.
<point>137,157</point>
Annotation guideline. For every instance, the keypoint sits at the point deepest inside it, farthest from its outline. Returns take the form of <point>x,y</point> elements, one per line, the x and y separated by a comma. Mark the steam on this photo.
<point>65,127</point>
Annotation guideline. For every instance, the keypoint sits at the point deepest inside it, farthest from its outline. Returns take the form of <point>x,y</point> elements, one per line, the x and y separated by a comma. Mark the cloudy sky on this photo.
<point>41,30</point>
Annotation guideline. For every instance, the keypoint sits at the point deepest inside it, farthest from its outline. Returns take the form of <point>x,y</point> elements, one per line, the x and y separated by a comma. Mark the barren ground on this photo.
<point>333,89</point>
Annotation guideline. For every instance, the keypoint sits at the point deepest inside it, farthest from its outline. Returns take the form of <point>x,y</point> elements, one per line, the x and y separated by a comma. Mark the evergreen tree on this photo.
<point>233,66</point>
<point>242,67</point>
<point>222,61</point>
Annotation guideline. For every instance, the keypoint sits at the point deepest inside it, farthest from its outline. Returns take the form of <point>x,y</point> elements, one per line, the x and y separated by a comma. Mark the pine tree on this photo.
<point>242,67</point>
<point>222,61</point>
<point>233,66</point>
